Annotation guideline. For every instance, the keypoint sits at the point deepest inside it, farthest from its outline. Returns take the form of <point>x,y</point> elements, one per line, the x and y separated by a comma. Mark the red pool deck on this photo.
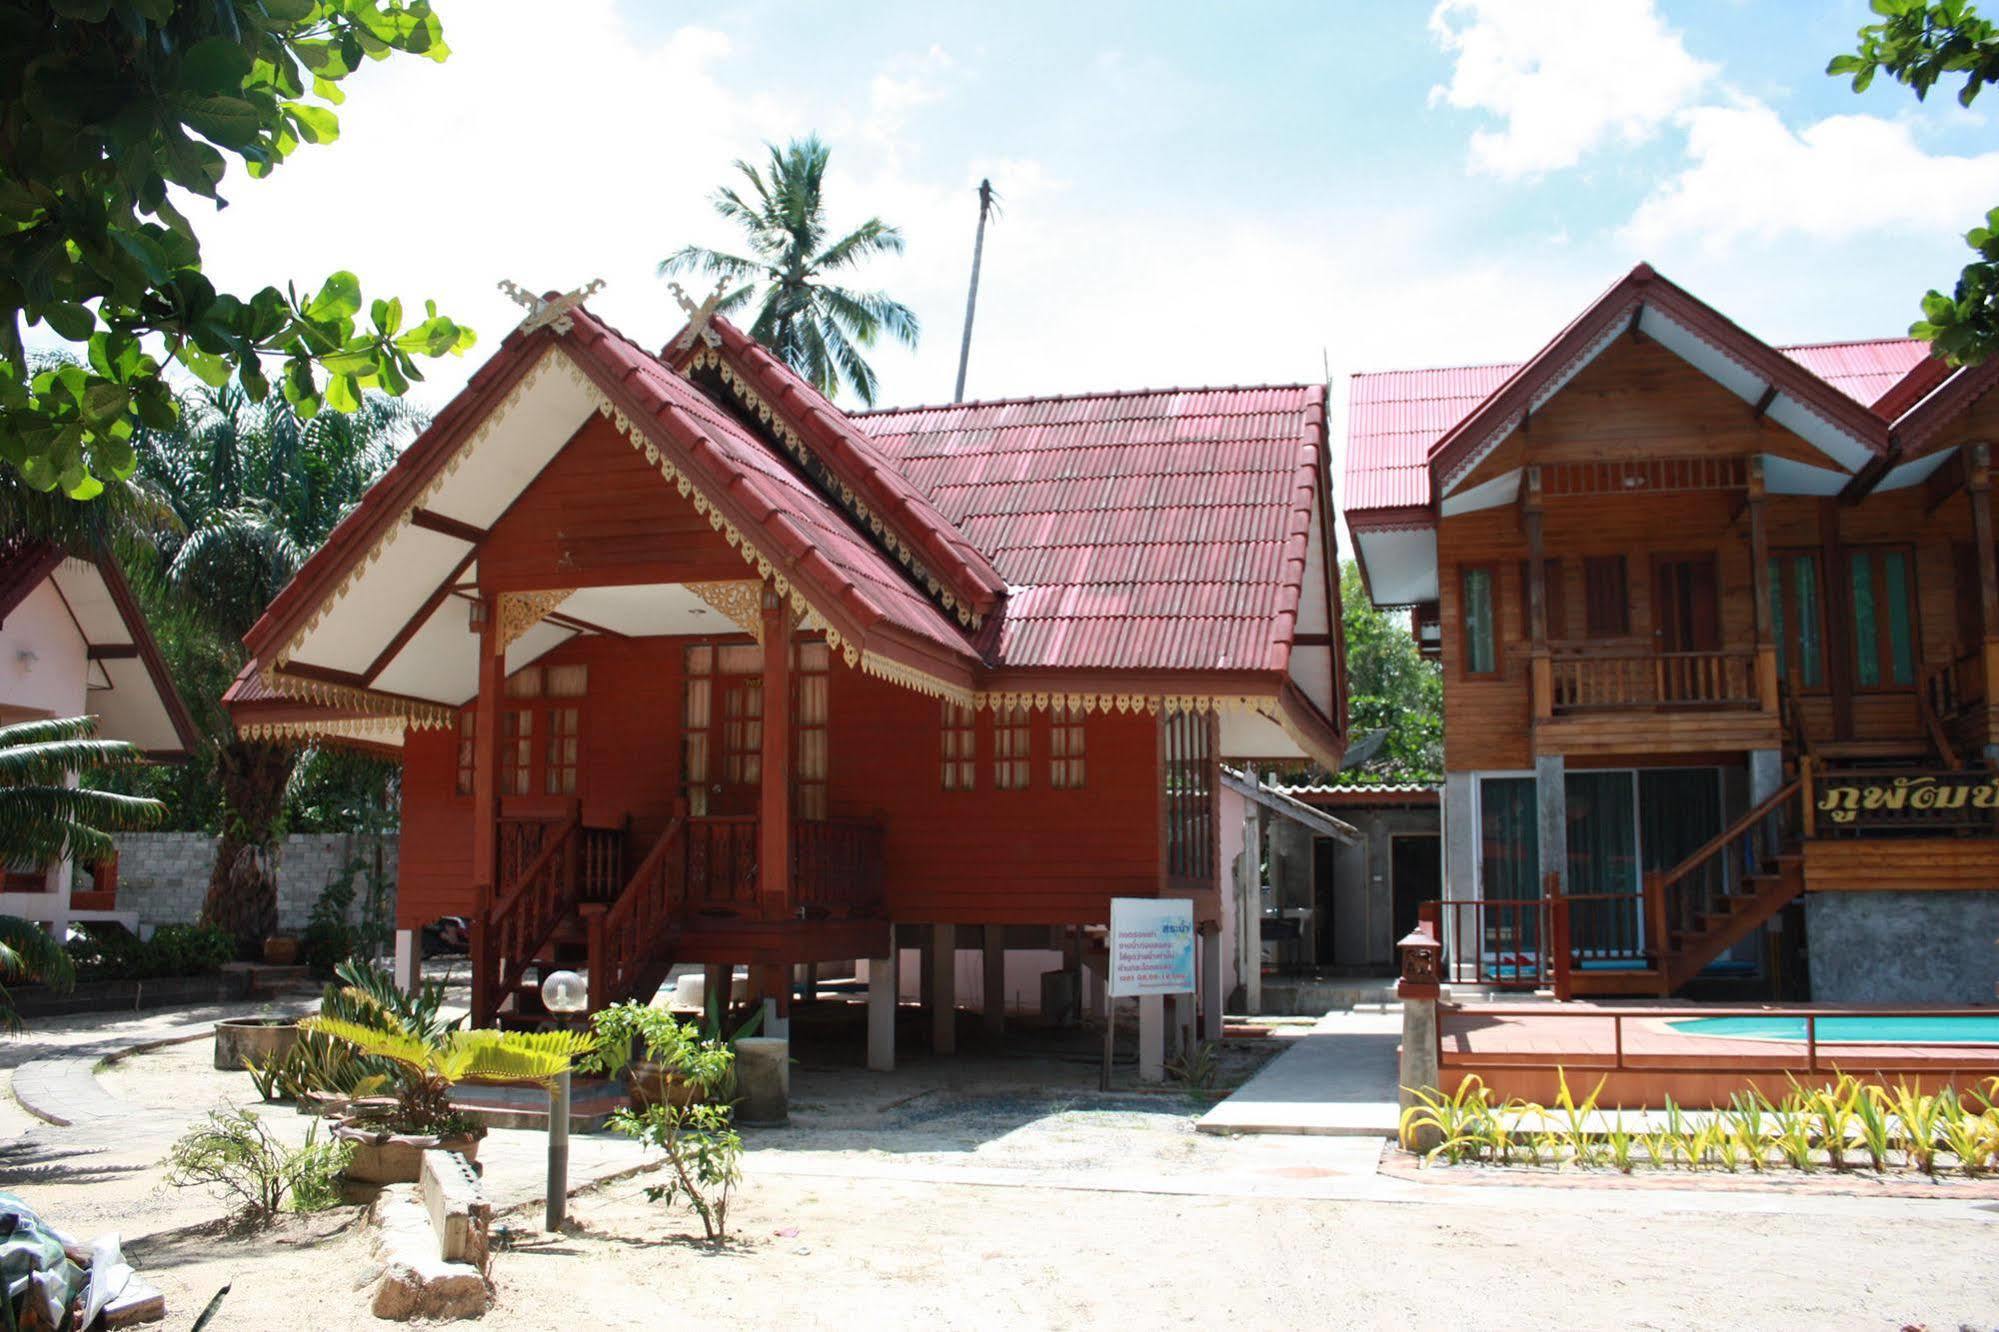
<point>1518,1048</point>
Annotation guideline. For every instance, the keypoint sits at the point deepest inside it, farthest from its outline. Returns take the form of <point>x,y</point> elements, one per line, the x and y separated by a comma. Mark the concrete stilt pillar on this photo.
<point>882,979</point>
<point>1151,1038</point>
<point>1211,985</point>
<point>995,1002</point>
<point>926,973</point>
<point>1093,992</point>
<point>944,989</point>
<point>409,961</point>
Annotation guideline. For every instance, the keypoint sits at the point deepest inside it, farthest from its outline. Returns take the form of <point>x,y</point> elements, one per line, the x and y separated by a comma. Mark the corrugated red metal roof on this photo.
<point>1161,529</point>
<point>1394,417</point>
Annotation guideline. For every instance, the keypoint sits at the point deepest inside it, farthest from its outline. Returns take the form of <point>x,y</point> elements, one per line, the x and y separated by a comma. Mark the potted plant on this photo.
<point>389,1139</point>
<point>281,950</point>
<point>253,1040</point>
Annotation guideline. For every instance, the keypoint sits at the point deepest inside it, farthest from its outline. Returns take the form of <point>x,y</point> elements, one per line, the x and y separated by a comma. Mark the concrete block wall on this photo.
<point>164,876</point>
<point>1939,948</point>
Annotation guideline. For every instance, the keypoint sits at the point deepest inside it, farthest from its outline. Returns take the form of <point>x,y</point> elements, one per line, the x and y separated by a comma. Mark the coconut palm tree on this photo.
<point>812,325</point>
<point>45,816</point>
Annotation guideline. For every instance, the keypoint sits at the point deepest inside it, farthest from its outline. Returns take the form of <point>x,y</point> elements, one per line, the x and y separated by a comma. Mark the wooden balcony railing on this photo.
<point>1585,683</point>
<point>836,867</point>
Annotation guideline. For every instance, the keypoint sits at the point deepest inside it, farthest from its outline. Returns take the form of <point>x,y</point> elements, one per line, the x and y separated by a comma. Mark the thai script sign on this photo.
<point>1908,798</point>
<point>1152,946</point>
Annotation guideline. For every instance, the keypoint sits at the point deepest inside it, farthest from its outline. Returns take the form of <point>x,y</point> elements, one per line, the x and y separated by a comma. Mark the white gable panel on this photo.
<point>441,660</point>
<point>1314,612</point>
<point>1401,566</point>
<point>1312,671</point>
<point>1251,735</point>
<point>131,708</point>
<point>1815,430</point>
<point>497,463</point>
<point>1503,489</point>
<point>355,628</point>
<point>645,610</point>
<point>1915,473</point>
<point>536,642</point>
<point>90,604</point>
<point>1784,476</point>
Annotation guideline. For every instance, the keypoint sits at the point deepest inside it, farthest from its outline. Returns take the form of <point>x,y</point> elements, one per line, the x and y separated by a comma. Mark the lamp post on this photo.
<point>562,992</point>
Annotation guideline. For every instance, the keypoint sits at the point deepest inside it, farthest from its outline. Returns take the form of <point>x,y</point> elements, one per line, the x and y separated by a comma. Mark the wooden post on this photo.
<point>486,803</point>
<point>1978,484</point>
<point>1560,945</point>
<point>1541,667</point>
<point>1759,582</point>
<point>1807,799</point>
<point>774,833</point>
<point>1658,941</point>
<point>1838,621</point>
<point>595,918</point>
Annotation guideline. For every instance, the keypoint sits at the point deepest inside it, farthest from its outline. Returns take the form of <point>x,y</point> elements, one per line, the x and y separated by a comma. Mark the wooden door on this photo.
<point>1686,606</point>
<point>739,774</point>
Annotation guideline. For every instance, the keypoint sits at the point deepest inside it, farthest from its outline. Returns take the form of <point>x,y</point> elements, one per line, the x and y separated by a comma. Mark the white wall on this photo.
<point>43,668</point>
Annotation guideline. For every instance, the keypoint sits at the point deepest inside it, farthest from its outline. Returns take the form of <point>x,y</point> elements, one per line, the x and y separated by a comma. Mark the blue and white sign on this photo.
<point>1152,946</point>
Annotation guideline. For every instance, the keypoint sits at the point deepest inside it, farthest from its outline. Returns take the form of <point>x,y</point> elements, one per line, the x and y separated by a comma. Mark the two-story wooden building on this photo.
<point>1717,620</point>
<point>687,665</point>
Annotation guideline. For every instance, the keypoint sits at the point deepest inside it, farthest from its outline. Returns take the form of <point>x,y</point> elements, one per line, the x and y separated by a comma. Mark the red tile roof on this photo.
<point>851,457</point>
<point>1158,529</point>
<point>1863,371</point>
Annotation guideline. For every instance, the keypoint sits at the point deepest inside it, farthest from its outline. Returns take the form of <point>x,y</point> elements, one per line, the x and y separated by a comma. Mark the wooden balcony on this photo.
<point>1588,702</point>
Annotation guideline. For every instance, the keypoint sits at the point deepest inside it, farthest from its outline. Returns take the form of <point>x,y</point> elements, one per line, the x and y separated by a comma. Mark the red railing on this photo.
<point>628,938</point>
<point>601,864</point>
<point>540,894</point>
<point>722,865</point>
<point>1682,903</point>
<point>1532,943</point>
<point>836,867</point>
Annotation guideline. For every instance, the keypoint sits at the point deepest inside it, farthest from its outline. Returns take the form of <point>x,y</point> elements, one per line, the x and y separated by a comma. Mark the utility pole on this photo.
<point>972,298</point>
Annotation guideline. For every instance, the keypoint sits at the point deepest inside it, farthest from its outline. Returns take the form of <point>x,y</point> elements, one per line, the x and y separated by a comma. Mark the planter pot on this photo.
<point>395,1158</point>
<point>322,1104</point>
<point>256,1039</point>
<point>281,951</point>
<point>654,1084</point>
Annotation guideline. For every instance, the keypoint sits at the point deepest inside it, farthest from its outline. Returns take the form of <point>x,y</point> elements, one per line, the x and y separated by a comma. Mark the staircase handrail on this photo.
<point>554,846</point>
<point>1933,723</point>
<point>615,937</point>
<point>1720,842</point>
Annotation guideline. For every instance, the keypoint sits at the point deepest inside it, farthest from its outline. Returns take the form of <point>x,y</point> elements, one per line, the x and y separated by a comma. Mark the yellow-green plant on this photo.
<point>1461,1119</point>
<point>1835,1114</point>
<point>1791,1130</point>
<point>1921,1119</point>
<point>1574,1124</point>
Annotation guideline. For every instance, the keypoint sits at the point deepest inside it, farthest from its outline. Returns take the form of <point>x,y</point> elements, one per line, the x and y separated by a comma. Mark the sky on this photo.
<point>1191,193</point>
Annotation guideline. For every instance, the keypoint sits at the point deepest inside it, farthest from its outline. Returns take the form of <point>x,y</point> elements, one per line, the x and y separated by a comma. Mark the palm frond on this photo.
<point>396,1047</point>
<point>866,314</point>
<point>53,761</point>
<point>850,364</point>
<point>30,953</point>
<point>511,1056</point>
<point>871,238</point>
<point>47,730</point>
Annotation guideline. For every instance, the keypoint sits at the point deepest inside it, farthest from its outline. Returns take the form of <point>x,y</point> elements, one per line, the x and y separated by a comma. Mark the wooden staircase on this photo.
<point>1712,900</point>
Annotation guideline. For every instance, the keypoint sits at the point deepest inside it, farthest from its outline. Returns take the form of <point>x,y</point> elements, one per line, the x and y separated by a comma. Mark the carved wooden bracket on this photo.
<point>522,611</point>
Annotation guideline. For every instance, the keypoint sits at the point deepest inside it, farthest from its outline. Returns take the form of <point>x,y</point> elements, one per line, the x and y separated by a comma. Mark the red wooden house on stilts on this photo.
<point>687,665</point>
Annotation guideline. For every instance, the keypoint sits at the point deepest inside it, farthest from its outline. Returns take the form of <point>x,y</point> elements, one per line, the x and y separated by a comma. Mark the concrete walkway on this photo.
<point>1338,1080</point>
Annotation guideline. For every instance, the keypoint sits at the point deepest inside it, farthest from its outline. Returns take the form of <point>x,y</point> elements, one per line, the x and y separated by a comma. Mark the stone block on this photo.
<point>460,1214</point>
<point>414,1282</point>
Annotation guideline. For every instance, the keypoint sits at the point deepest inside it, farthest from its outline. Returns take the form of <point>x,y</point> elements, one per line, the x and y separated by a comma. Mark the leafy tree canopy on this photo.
<point>113,113</point>
<point>1391,688</point>
<point>1920,44</point>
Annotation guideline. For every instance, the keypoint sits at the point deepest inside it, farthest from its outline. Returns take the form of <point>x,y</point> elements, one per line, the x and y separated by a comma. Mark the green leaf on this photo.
<point>210,369</point>
<point>229,121</point>
<point>288,11</point>
<point>388,316</point>
<point>216,65</point>
<point>340,298</point>
<point>72,322</point>
<point>104,403</point>
<point>343,393</point>
<point>315,124</point>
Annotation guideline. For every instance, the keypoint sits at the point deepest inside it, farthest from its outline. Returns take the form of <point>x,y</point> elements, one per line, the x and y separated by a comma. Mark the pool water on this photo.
<point>1892,1029</point>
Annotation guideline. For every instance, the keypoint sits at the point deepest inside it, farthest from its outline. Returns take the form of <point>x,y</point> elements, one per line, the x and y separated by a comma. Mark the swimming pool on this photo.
<point>1887,1029</point>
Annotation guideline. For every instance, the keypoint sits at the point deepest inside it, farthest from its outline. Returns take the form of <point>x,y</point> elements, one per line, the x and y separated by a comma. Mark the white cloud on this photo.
<point>1564,75</point>
<point>1752,178</point>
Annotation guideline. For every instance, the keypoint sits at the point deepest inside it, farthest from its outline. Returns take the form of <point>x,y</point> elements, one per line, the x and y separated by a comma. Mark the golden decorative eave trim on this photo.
<point>741,601</point>
<point>375,730</point>
<point>522,611</point>
<point>420,715</point>
<point>550,363</point>
<point>709,358</point>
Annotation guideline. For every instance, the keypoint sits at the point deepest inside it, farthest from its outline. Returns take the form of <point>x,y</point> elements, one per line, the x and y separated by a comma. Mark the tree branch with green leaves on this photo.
<point>1920,43</point>
<point>113,113</point>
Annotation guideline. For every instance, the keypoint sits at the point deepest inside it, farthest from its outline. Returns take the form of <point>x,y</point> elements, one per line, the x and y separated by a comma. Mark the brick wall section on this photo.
<point>164,876</point>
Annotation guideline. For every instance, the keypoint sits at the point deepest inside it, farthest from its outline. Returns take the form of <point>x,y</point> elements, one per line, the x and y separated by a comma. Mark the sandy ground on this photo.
<point>1052,1235</point>
<point>905,1255</point>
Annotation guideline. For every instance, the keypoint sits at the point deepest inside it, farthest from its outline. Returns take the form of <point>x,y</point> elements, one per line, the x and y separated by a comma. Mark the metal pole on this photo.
<point>558,1152</point>
<point>1110,1027</point>
<point>972,297</point>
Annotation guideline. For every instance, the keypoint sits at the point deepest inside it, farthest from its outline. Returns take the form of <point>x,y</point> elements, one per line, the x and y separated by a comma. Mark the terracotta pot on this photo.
<point>257,1039</point>
<point>381,1157</point>
<point>322,1104</point>
<point>654,1084</point>
<point>281,950</point>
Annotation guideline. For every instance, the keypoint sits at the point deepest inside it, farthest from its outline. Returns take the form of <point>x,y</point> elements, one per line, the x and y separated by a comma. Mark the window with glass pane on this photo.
<point>1882,582</point>
<point>959,746</point>
<point>1509,864</point>
<point>1065,747</point>
<point>1481,630</point>
<point>517,751</point>
<point>1012,743</point>
<point>1188,743</point>
<point>468,722</point>
<point>743,730</point>
<point>560,777</point>
<point>1795,619</point>
<point>696,718</point>
<point>1602,864</point>
<point>809,728</point>
<point>1607,597</point>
